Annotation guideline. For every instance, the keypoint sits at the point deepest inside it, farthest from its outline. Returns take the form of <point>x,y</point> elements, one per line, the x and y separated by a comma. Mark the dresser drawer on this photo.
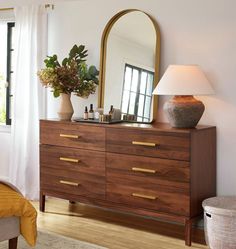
<point>166,200</point>
<point>72,135</point>
<point>126,168</point>
<point>71,182</point>
<point>75,160</point>
<point>148,143</point>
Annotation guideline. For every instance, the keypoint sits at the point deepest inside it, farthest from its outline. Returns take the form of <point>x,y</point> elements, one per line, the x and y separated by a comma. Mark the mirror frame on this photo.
<point>103,55</point>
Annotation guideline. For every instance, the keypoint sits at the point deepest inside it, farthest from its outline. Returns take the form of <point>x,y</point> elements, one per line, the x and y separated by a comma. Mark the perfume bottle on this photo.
<point>86,113</point>
<point>91,112</point>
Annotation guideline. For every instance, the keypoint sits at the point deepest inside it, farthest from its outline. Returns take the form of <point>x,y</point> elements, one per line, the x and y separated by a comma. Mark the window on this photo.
<point>137,92</point>
<point>6,71</point>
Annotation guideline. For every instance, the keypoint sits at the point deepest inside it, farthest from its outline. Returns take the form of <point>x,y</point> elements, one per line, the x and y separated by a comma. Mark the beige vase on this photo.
<point>66,109</point>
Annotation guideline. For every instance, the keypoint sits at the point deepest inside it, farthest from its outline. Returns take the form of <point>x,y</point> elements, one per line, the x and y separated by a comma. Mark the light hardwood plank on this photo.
<point>111,229</point>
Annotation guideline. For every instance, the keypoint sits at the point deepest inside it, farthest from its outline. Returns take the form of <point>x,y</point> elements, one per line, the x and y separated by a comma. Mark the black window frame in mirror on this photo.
<point>138,93</point>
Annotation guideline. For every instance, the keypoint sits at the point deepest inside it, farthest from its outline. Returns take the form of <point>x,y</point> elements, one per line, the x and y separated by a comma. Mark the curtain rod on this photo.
<point>46,6</point>
<point>50,6</point>
<point>5,9</point>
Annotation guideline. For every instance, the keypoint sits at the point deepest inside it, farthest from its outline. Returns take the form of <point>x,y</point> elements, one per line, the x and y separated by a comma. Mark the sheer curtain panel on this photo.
<point>31,40</point>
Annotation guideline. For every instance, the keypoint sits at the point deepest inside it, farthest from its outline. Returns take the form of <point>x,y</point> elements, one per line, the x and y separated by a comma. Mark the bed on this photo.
<point>17,216</point>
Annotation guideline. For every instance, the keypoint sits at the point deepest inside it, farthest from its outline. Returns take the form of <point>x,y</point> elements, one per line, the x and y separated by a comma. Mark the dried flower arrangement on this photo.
<point>72,75</point>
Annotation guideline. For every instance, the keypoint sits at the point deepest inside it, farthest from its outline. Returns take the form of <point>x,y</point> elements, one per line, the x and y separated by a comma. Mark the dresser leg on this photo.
<point>42,202</point>
<point>12,243</point>
<point>188,232</point>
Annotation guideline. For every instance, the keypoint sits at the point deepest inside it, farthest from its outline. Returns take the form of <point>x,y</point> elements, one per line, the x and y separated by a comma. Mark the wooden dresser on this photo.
<point>151,170</point>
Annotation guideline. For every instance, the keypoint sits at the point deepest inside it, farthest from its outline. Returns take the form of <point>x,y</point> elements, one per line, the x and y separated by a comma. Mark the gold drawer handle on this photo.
<point>69,136</point>
<point>144,143</point>
<point>144,196</point>
<point>144,170</point>
<point>70,183</point>
<point>69,160</point>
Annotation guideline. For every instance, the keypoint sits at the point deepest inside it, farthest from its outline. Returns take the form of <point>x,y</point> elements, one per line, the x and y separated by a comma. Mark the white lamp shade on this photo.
<point>183,80</point>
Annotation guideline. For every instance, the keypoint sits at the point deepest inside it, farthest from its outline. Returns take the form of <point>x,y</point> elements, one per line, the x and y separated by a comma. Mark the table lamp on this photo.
<point>183,81</point>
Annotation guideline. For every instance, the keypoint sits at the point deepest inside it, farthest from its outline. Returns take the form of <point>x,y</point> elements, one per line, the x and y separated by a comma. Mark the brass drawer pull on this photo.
<point>144,170</point>
<point>144,143</point>
<point>144,196</point>
<point>70,183</point>
<point>69,160</point>
<point>69,136</point>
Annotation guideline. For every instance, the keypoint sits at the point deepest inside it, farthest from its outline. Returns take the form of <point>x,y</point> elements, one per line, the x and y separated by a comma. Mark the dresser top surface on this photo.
<point>157,126</point>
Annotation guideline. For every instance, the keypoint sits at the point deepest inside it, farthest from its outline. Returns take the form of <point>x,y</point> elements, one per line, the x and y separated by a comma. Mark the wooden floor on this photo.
<point>111,229</point>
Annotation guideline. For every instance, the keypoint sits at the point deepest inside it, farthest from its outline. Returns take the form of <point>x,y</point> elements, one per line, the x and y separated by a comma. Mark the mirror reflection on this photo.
<point>130,67</point>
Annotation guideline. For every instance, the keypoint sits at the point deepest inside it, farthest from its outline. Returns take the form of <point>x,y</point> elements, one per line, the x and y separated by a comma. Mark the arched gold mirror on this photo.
<point>129,65</point>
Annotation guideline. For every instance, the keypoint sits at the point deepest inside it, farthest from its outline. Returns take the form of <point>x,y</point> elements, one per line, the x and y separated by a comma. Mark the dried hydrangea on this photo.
<point>72,75</point>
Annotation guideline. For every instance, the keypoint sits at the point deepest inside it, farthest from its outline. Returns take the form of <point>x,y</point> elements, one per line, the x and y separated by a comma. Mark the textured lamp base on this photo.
<point>184,111</point>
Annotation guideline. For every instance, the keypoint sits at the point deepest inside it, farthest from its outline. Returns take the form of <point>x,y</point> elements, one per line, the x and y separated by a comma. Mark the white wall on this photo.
<point>67,26</point>
<point>198,32</point>
<point>119,52</point>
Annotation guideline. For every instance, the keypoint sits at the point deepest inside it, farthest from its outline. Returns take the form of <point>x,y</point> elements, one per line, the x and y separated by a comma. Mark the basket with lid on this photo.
<point>220,222</point>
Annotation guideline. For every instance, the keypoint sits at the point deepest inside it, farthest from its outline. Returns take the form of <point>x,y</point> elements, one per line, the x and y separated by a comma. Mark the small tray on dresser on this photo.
<point>96,121</point>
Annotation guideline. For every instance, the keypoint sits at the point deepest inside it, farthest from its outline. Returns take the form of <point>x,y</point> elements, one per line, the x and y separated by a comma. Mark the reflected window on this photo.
<point>137,92</point>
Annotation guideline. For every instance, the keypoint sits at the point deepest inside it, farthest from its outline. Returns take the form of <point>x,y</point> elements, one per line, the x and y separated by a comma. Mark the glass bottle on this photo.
<point>86,113</point>
<point>91,112</point>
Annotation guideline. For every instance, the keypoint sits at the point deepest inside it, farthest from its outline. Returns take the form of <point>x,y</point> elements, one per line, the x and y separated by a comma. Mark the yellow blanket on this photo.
<point>13,203</point>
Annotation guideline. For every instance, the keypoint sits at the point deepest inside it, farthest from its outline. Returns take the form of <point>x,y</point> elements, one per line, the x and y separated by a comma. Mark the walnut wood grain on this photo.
<point>162,128</point>
<point>167,200</point>
<point>90,162</point>
<point>115,206</point>
<point>170,147</point>
<point>203,168</point>
<point>87,184</point>
<point>164,172</point>
<point>92,138</point>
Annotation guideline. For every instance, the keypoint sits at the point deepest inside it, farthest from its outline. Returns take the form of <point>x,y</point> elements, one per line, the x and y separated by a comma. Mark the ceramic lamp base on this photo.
<point>183,111</point>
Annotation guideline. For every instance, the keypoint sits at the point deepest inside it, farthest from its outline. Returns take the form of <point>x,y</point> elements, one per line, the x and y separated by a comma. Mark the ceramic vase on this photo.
<point>65,111</point>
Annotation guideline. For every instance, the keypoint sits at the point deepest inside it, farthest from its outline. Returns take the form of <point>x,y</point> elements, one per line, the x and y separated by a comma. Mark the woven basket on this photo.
<point>220,222</point>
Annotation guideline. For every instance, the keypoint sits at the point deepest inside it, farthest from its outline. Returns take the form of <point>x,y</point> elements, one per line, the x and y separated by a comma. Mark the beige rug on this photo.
<point>53,241</point>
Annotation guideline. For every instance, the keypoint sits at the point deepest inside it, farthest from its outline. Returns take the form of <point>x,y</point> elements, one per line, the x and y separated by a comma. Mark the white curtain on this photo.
<point>28,107</point>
